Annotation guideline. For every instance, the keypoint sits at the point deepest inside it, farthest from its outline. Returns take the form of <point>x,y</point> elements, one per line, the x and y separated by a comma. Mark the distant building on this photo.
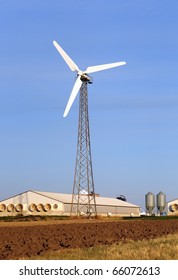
<point>48,203</point>
<point>172,207</point>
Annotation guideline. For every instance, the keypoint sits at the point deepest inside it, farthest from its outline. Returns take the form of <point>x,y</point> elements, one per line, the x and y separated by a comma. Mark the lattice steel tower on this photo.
<point>83,197</point>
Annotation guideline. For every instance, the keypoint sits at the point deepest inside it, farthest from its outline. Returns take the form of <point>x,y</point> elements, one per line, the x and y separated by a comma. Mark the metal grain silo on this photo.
<point>150,202</point>
<point>161,202</point>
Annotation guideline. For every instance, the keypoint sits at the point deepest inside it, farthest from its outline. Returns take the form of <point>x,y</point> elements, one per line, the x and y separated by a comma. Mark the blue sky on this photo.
<point>133,109</point>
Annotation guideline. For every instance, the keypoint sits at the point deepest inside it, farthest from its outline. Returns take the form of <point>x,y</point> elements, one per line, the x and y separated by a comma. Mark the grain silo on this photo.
<point>150,202</point>
<point>161,202</point>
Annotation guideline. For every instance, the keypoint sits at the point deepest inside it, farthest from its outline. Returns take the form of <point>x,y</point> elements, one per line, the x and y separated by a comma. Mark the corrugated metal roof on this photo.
<point>67,198</point>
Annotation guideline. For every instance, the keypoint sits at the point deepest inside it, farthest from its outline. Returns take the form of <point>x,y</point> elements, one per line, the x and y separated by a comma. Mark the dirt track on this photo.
<point>25,239</point>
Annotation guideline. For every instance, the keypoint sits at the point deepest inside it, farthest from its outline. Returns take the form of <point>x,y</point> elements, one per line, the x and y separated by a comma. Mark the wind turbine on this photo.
<point>83,197</point>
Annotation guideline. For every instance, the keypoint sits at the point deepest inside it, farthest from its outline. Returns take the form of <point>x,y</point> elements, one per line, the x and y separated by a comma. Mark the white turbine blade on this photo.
<point>93,69</point>
<point>65,56</point>
<point>73,94</point>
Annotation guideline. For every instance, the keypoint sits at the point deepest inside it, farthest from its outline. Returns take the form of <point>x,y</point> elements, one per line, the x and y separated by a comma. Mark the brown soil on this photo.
<point>20,240</point>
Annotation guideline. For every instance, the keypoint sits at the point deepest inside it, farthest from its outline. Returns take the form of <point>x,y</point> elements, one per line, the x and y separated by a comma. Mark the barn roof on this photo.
<point>173,201</point>
<point>67,198</point>
<point>34,196</point>
<point>29,197</point>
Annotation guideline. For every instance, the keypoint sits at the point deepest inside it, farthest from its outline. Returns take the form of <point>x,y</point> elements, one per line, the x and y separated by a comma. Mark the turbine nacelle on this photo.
<point>85,78</point>
<point>82,76</point>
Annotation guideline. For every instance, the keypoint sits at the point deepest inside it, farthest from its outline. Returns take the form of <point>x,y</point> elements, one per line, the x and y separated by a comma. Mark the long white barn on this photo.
<point>48,203</point>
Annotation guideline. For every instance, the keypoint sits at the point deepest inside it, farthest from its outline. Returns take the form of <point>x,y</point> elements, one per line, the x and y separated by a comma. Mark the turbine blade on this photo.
<point>65,56</point>
<point>73,94</point>
<point>97,68</point>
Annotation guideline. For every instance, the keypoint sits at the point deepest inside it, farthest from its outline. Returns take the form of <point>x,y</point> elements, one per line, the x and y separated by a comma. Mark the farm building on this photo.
<point>47,203</point>
<point>172,207</point>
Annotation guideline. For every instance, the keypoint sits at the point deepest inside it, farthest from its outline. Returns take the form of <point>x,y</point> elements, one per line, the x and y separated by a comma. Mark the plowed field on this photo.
<point>24,239</point>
